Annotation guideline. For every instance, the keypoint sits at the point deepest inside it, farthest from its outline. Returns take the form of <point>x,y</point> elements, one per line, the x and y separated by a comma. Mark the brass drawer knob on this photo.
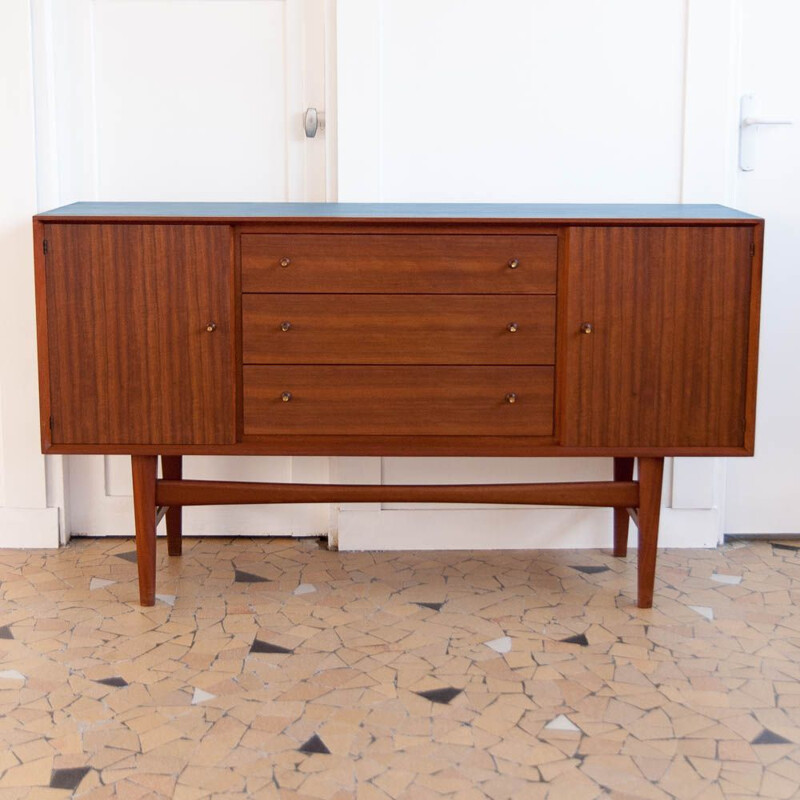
<point>211,326</point>
<point>285,261</point>
<point>512,327</point>
<point>586,327</point>
<point>511,398</point>
<point>285,326</point>
<point>286,396</point>
<point>513,263</point>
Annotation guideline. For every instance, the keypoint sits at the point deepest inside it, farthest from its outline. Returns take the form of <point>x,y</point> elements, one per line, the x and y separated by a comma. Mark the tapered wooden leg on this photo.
<point>651,474</point>
<point>144,512</point>
<point>623,471</point>
<point>172,470</point>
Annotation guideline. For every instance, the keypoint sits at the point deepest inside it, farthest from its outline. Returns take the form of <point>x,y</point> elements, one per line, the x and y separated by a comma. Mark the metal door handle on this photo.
<point>749,123</point>
<point>313,121</point>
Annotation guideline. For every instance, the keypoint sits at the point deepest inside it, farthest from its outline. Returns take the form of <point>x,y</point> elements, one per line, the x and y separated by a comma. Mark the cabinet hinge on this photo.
<point>51,422</point>
<point>44,246</point>
<point>752,249</point>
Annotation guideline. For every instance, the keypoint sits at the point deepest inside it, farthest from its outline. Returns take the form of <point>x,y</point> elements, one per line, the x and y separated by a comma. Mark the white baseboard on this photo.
<point>511,529</point>
<point>29,527</point>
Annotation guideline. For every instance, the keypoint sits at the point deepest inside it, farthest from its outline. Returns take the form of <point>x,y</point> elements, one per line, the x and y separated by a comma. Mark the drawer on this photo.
<point>398,329</point>
<point>399,263</point>
<point>398,400</point>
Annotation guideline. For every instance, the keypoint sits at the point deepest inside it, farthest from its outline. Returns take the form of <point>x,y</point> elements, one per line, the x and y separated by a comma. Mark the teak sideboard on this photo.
<point>171,329</point>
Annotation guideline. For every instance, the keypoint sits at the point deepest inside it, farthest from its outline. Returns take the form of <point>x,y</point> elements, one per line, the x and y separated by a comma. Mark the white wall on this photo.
<point>25,519</point>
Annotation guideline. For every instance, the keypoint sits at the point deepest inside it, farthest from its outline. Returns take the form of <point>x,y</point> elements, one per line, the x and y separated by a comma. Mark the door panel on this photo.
<point>204,115</point>
<point>651,295</point>
<point>145,371</point>
<point>214,112</point>
<point>761,495</point>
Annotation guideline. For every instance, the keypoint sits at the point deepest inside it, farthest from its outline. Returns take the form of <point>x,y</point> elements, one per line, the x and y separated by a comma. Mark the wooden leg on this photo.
<point>651,473</point>
<point>144,511</point>
<point>172,470</point>
<point>623,471</point>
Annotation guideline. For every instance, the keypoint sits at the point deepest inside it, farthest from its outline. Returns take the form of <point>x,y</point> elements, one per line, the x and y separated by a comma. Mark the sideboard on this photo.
<point>171,329</point>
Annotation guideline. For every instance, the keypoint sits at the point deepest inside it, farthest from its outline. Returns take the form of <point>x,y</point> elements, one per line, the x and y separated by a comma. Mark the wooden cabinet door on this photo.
<point>131,360</point>
<point>669,361</point>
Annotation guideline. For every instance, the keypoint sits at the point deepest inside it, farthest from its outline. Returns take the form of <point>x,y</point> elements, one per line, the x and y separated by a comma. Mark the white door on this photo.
<point>528,101</point>
<point>189,100</point>
<point>762,491</point>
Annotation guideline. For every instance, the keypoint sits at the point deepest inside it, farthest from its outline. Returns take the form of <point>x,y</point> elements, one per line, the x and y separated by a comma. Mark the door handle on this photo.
<point>313,121</point>
<point>749,123</point>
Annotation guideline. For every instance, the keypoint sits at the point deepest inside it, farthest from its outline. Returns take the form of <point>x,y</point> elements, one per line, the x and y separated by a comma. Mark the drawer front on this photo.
<point>399,263</point>
<point>398,329</point>
<point>398,400</point>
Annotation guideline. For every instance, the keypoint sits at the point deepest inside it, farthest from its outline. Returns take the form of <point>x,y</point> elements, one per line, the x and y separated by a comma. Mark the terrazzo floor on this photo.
<point>272,668</point>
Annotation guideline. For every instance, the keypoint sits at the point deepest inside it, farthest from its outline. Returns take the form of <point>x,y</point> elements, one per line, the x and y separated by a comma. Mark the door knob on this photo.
<point>211,327</point>
<point>512,327</point>
<point>586,327</point>
<point>285,326</point>
<point>313,121</point>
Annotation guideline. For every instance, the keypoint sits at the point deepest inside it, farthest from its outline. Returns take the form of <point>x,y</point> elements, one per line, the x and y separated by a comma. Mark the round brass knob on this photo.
<point>511,398</point>
<point>513,263</point>
<point>285,326</point>
<point>286,396</point>
<point>285,261</point>
<point>211,326</point>
<point>586,327</point>
<point>512,327</point>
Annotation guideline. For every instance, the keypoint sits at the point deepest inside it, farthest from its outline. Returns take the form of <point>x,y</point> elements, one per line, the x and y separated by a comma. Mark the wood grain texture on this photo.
<point>390,445</point>
<point>587,493</point>
<point>753,339</point>
<point>398,329</point>
<point>172,469</point>
<point>651,478</point>
<point>667,362</point>
<point>623,471</point>
<point>42,335</point>
<point>130,359</point>
<point>144,472</point>
<point>408,401</point>
<point>398,263</point>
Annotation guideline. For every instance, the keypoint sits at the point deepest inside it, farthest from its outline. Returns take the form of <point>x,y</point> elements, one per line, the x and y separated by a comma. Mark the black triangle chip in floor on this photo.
<point>590,570</point>
<point>115,681</point>
<point>260,646</point>
<point>5,632</point>
<point>579,638</point>
<point>240,576</point>
<point>130,556</point>
<point>442,696</point>
<point>68,778</point>
<point>314,745</point>
<point>432,606</point>
<point>770,737</point>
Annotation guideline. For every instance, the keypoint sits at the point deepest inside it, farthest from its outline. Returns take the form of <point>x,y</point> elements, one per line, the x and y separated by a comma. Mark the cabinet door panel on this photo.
<point>666,362</point>
<point>131,361</point>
